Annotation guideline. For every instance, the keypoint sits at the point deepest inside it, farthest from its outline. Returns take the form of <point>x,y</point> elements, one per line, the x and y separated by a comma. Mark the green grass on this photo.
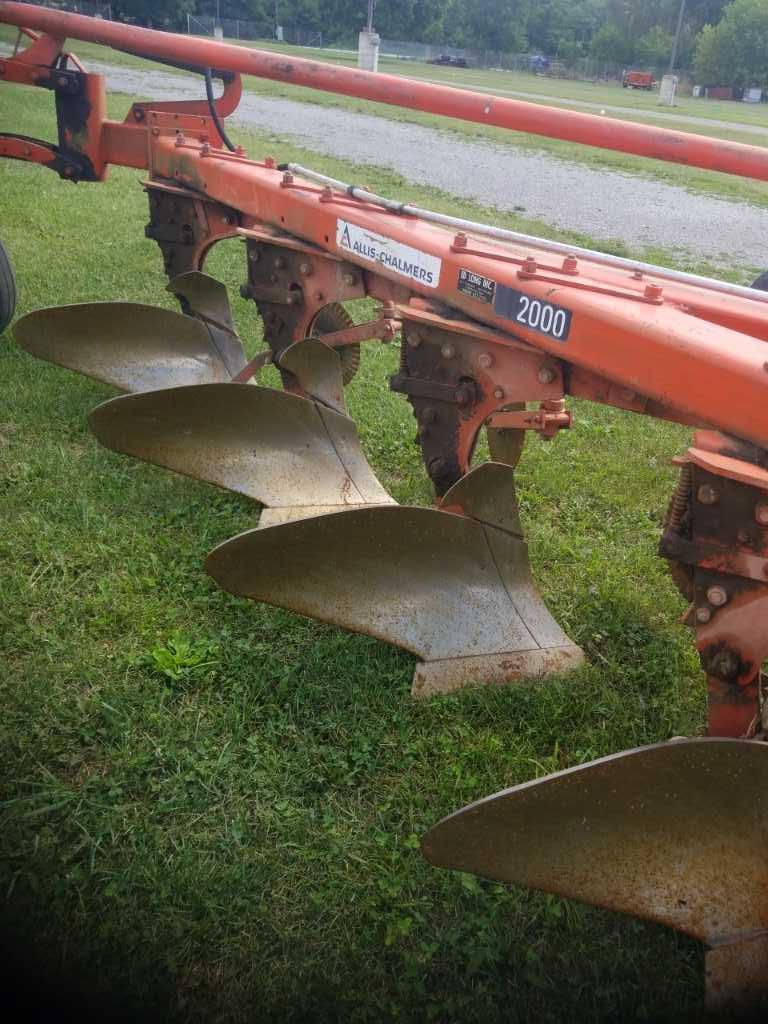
<point>211,808</point>
<point>638,105</point>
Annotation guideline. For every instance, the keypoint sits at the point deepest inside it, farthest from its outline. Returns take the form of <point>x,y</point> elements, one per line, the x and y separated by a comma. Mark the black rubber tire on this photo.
<point>7,290</point>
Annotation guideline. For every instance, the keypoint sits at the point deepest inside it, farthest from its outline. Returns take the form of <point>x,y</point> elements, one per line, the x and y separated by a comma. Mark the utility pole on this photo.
<point>371,9</point>
<point>676,43</point>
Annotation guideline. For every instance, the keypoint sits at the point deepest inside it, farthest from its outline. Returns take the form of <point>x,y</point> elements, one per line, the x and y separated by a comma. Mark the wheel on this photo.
<point>7,290</point>
<point>761,283</point>
<point>331,318</point>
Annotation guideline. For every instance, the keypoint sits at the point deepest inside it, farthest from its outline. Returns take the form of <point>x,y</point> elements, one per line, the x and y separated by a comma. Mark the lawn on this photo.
<point>210,808</point>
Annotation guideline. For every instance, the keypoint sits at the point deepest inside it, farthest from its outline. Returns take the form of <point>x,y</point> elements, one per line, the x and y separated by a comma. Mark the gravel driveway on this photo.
<point>606,205</point>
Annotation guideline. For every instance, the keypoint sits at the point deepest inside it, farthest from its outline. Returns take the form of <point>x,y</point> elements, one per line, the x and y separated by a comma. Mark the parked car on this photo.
<point>446,60</point>
<point>638,80</point>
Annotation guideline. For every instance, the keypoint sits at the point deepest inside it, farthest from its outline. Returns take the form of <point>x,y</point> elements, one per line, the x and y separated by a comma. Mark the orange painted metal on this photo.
<point>501,112</point>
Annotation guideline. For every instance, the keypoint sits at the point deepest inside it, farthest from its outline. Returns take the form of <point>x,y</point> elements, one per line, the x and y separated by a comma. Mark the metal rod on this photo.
<point>506,235</point>
<point>464,104</point>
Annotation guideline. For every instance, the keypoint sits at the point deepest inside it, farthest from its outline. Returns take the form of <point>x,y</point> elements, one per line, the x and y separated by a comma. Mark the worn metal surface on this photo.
<point>736,975</point>
<point>206,298</point>
<point>440,585</point>
<point>131,346</point>
<point>675,833</point>
<point>317,369</point>
<point>275,447</point>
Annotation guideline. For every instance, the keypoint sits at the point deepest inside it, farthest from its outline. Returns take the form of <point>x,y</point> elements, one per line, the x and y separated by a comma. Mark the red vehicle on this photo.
<point>637,80</point>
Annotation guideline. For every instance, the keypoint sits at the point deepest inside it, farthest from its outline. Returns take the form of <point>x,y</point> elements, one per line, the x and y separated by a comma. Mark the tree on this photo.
<point>654,48</point>
<point>611,45</point>
<point>734,52</point>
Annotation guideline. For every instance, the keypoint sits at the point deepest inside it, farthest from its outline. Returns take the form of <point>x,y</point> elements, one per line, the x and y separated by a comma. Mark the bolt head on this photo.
<point>485,360</point>
<point>707,495</point>
<point>545,375</point>
<point>717,596</point>
<point>448,351</point>
<point>703,615</point>
<point>305,269</point>
<point>350,279</point>
<point>498,393</point>
<point>761,513</point>
<point>279,262</point>
<point>253,255</point>
<point>742,537</point>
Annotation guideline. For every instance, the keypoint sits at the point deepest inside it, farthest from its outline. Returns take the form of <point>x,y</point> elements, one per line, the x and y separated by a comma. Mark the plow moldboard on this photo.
<point>277,448</point>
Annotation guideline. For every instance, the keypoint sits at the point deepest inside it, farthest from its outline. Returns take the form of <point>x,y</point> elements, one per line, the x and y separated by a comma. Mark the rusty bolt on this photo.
<point>292,299</point>
<point>463,395</point>
<point>414,339</point>
<point>485,359</point>
<point>287,178</point>
<point>638,275</point>
<point>654,292</point>
<point>460,241</point>
<point>761,513</point>
<point>570,264</point>
<point>703,615</point>
<point>498,392</point>
<point>707,495</point>
<point>205,149</point>
<point>319,297</point>
<point>155,132</point>
<point>529,266</point>
<point>724,664</point>
<point>546,375</point>
<point>447,351</point>
<point>305,269</point>
<point>717,596</point>
<point>350,279</point>
<point>254,255</point>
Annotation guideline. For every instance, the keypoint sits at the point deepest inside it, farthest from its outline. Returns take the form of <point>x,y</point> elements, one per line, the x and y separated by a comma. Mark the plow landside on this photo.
<point>675,833</point>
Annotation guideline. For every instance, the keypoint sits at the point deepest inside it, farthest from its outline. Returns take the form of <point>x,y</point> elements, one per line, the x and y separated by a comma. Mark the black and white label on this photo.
<point>476,286</point>
<point>418,266</point>
<point>534,314</point>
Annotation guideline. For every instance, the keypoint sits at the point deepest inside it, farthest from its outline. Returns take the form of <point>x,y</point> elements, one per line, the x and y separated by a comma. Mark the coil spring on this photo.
<point>680,501</point>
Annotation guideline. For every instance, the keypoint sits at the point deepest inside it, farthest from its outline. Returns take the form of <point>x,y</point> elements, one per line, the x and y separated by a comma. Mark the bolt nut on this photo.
<point>350,279</point>
<point>546,375</point>
<point>292,299</point>
<point>703,615</point>
<point>654,292</point>
<point>254,255</point>
<point>707,495</point>
<point>570,264</point>
<point>761,513</point>
<point>717,596</point>
<point>447,351</point>
<point>498,392</point>
<point>485,360</point>
<point>460,241</point>
<point>305,269</point>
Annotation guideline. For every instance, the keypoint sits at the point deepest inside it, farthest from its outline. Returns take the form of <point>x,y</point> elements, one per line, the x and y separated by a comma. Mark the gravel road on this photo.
<point>606,205</point>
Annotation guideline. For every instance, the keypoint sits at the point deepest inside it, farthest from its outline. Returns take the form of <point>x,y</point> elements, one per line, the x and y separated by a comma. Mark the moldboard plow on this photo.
<point>495,330</point>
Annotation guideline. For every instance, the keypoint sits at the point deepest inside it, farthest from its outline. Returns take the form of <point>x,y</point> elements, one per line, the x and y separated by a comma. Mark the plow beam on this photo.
<point>675,833</point>
<point>463,104</point>
<point>136,347</point>
<point>286,452</point>
<point>454,589</point>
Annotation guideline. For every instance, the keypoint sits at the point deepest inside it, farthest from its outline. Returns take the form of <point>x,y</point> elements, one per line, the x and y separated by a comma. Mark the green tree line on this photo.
<point>727,43</point>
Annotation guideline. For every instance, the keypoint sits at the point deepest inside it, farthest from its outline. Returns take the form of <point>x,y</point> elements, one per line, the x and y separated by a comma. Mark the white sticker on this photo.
<point>421,267</point>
